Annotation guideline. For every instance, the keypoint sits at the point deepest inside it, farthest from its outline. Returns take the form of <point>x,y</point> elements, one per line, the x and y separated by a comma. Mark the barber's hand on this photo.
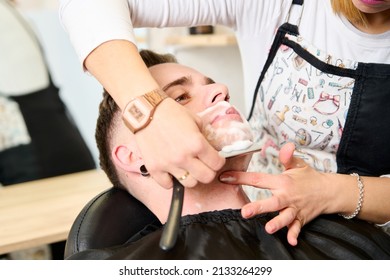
<point>173,144</point>
<point>296,193</point>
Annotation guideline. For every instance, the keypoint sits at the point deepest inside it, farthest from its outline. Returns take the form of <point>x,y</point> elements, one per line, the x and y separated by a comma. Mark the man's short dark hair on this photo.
<point>110,113</point>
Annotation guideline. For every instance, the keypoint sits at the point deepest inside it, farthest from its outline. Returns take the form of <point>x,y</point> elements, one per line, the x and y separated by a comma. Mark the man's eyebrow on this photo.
<point>209,81</point>
<point>178,82</point>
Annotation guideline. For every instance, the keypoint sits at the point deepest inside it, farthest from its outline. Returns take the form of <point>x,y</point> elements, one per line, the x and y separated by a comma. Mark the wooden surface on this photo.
<point>42,212</point>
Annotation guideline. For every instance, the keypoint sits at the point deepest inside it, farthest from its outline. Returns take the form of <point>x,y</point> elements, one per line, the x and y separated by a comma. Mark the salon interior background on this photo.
<point>82,92</point>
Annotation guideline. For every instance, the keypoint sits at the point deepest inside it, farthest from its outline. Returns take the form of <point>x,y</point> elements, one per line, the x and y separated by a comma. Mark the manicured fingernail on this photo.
<point>227,179</point>
<point>269,228</point>
<point>247,212</point>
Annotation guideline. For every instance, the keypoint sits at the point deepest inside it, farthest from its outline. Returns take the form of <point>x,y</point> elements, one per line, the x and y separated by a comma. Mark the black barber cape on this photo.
<point>226,235</point>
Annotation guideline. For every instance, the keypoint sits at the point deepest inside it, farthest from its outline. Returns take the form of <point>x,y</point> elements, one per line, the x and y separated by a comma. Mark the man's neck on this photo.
<point>216,197</point>
<point>203,197</point>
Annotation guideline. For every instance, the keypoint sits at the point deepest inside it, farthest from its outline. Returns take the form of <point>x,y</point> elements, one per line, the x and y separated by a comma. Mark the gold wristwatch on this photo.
<point>139,111</point>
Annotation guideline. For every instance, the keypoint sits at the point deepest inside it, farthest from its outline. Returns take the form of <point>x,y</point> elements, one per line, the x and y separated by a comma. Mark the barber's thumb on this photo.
<point>286,156</point>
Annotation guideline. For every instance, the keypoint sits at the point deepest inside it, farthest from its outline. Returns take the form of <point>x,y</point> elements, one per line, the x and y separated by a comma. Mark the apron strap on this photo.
<point>297,2</point>
<point>296,10</point>
<point>294,15</point>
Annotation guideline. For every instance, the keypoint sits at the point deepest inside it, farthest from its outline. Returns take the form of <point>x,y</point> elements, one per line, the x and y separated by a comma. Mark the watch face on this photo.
<point>137,114</point>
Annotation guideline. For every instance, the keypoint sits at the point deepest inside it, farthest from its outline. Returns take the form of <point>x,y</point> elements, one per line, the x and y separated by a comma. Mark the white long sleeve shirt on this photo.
<point>22,66</point>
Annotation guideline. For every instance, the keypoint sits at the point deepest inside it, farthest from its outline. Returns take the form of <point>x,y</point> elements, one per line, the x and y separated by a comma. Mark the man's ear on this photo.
<point>126,159</point>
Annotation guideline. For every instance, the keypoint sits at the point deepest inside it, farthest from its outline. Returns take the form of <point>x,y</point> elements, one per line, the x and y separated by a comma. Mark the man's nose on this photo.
<point>217,93</point>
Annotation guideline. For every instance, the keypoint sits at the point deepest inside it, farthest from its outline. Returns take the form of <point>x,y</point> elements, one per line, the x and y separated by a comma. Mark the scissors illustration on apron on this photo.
<point>336,111</point>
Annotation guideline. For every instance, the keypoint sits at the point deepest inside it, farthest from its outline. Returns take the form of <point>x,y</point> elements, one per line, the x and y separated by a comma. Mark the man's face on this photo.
<point>189,87</point>
<point>225,128</point>
<point>223,125</point>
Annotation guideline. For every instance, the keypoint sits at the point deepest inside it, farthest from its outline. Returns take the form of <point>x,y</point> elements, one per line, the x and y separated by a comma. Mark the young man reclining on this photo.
<point>211,226</point>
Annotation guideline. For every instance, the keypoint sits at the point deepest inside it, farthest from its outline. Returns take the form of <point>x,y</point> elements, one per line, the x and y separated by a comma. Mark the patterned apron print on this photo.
<point>312,98</point>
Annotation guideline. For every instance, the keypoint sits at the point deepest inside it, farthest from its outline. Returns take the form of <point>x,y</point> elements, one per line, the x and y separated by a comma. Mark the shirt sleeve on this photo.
<point>89,23</point>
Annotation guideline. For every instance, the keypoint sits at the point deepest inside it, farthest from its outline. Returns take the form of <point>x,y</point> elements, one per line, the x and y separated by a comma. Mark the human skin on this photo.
<point>335,193</point>
<point>202,95</point>
<point>188,151</point>
<point>377,13</point>
<point>208,101</point>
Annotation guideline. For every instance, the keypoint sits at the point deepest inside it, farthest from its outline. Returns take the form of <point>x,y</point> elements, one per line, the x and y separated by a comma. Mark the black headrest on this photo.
<point>109,219</point>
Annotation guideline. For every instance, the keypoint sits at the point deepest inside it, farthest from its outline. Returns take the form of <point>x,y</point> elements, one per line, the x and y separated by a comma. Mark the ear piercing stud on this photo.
<point>144,171</point>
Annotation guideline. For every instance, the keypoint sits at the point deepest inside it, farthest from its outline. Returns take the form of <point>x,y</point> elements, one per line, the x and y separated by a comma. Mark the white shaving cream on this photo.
<point>233,135</point>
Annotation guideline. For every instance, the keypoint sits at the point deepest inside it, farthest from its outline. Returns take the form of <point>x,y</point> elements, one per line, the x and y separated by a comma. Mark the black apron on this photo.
<point>56,146</point>
<point>308,97</point>
<point>39,138</point>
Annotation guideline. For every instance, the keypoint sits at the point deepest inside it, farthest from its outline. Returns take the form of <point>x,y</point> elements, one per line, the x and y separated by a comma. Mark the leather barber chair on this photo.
<point>109,219</point>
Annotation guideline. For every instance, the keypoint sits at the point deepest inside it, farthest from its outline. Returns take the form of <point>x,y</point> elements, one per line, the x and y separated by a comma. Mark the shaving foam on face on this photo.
<point>236,146</point>
<point>232,134</point>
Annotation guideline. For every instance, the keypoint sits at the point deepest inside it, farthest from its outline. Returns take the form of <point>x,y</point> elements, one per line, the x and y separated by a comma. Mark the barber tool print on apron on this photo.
<point>333,109</point>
